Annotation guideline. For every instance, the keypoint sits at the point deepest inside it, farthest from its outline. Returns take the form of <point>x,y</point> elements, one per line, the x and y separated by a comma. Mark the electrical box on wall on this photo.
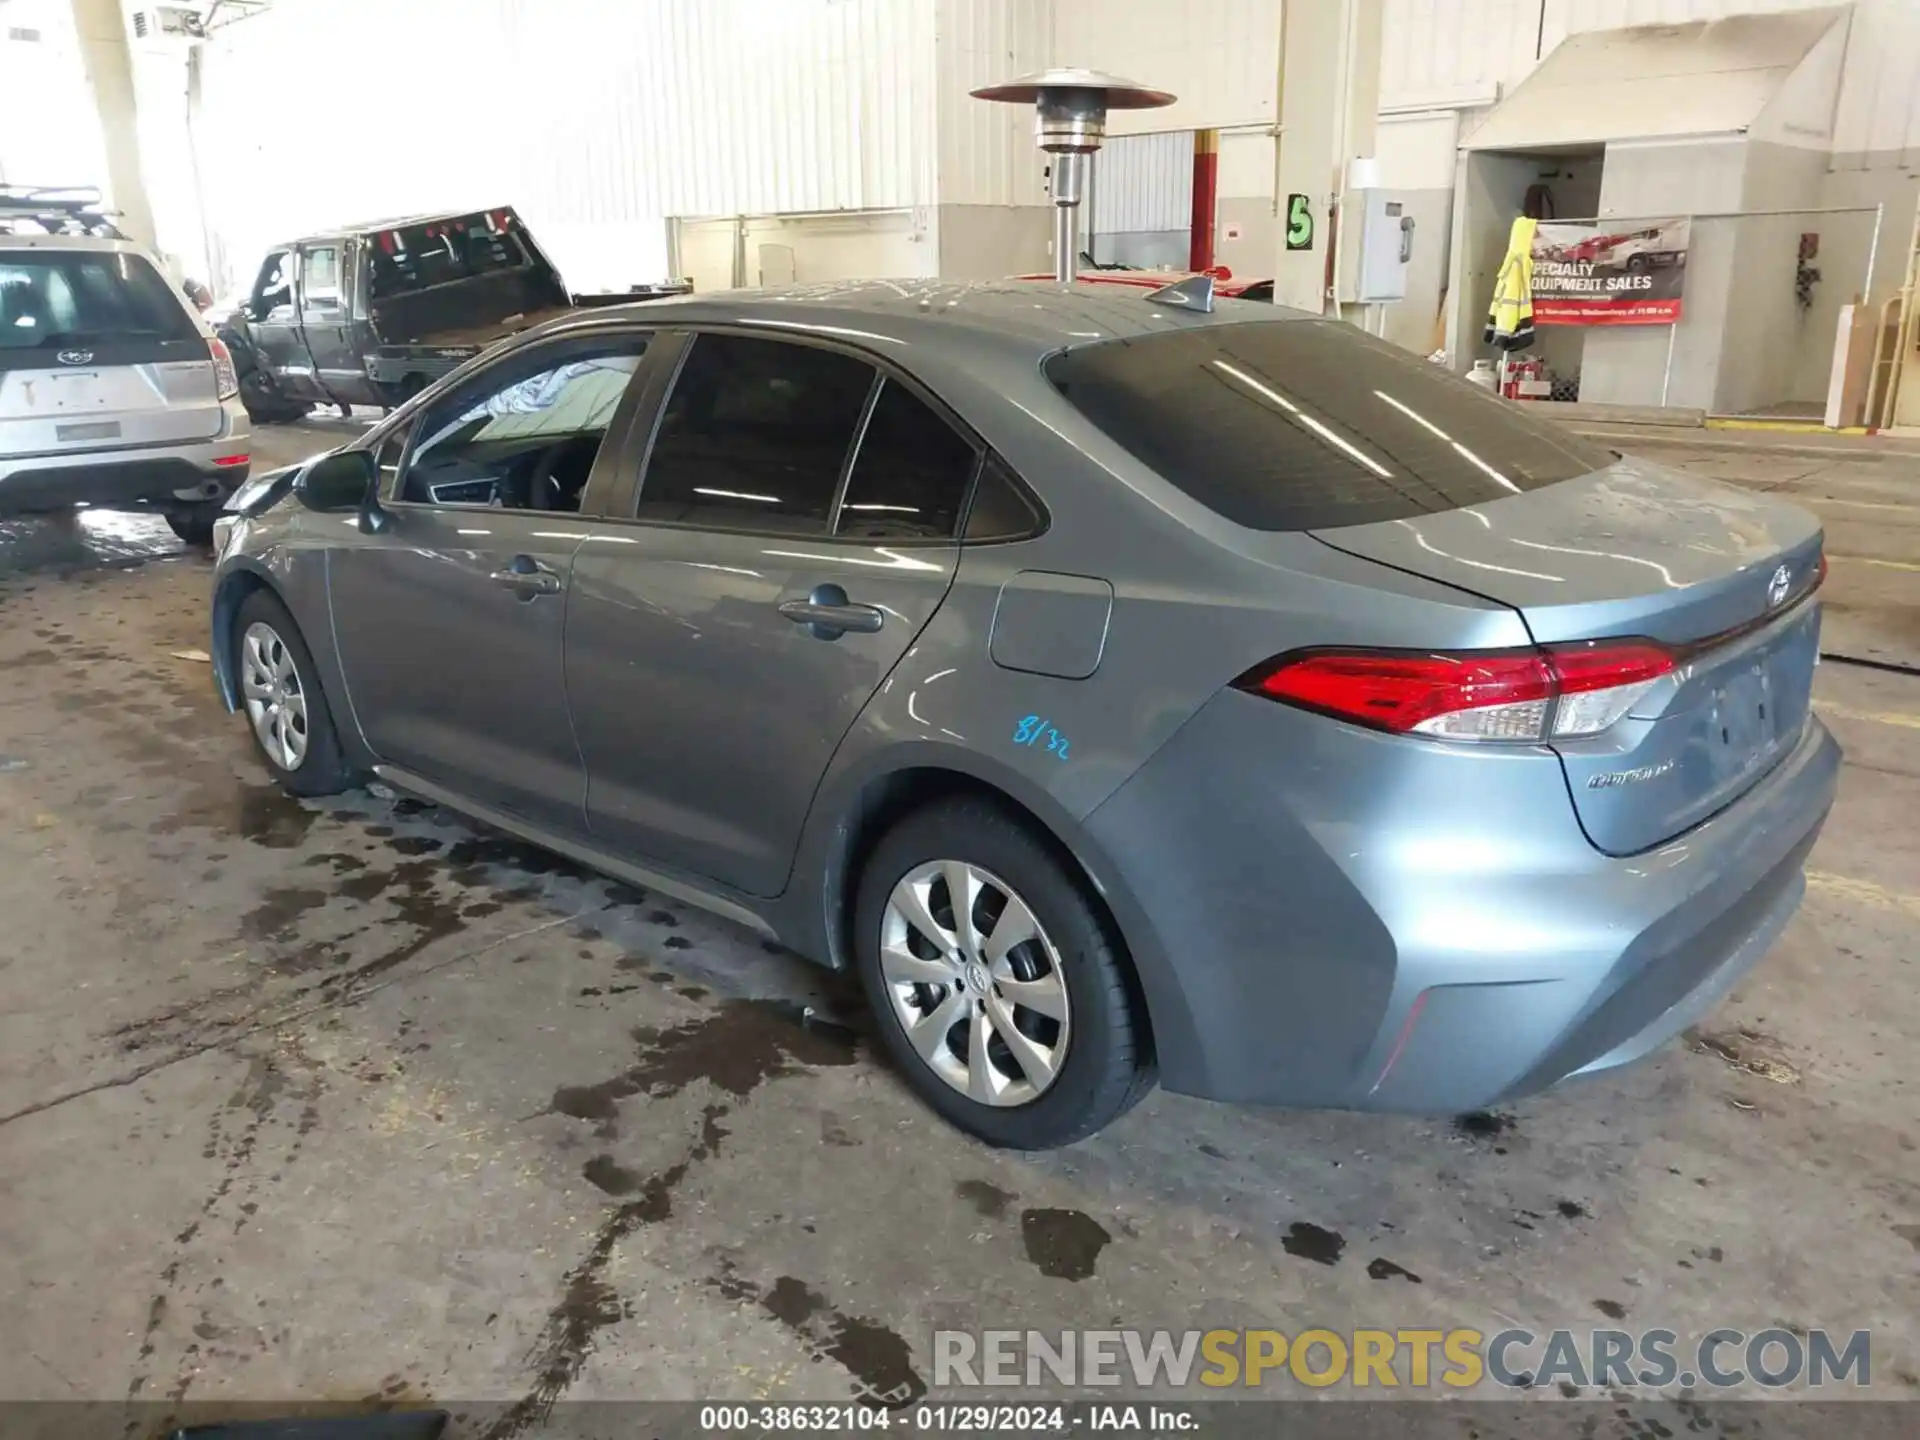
<point>1377,246</point>
<point>166,24</point>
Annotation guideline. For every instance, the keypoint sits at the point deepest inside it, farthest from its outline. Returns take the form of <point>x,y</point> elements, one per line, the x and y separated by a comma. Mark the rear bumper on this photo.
<point>1388,924</point>
<point>158,475</point>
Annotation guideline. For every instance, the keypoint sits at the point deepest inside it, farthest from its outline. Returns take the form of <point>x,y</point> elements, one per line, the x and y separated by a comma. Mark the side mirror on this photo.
<point>338,482</point>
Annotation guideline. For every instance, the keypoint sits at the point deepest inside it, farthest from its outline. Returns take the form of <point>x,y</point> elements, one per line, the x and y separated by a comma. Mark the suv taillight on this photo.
<point>225,378</point>
<point>1557,692</point>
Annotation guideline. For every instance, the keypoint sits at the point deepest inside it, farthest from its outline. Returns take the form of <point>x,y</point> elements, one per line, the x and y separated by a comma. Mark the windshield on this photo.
<point>50,298</point>
<point>412,257</point>
<point>1310,424</point>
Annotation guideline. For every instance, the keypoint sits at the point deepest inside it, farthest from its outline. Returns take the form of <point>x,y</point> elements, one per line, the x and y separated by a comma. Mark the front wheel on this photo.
<point>281,697</point>
<point>265,404</point>
<point>998,988</point>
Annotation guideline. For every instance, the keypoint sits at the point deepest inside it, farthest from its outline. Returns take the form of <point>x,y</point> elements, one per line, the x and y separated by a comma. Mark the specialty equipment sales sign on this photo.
<point>1614,272</point>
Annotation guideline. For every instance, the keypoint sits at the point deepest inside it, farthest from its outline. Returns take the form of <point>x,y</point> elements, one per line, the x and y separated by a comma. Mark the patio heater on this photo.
<point>1070,120</point>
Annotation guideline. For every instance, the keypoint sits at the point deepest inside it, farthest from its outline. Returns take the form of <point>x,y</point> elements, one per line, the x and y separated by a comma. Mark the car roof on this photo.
<point>98,243</point>
<point>1022,318</point>
<point>374,227</point>
<point>1226,285</point>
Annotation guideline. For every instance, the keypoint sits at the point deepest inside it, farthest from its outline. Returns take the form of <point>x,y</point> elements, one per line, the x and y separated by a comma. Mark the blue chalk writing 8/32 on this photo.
<point>1035,730</point>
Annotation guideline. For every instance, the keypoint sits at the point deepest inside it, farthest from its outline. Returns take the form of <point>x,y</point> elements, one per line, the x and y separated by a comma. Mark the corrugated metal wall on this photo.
<point>596,117</point>
<point>40,64</point>
<point>986,152</point>
<point>1443,52</point>
<point>1143,183</point>
<point>1221,57</point>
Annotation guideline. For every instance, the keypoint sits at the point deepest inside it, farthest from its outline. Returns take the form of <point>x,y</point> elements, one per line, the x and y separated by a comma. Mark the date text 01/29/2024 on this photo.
<point>1037,730</point>
<point>963,1418</point>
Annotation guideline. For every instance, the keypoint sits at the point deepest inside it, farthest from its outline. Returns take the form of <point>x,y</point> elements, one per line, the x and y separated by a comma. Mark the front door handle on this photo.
<point>527,578</point>
<point>828,614</point>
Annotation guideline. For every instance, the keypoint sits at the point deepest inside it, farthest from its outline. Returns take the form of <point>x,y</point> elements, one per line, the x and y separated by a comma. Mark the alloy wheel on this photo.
<point>275,696</point>
<point>975,983</point>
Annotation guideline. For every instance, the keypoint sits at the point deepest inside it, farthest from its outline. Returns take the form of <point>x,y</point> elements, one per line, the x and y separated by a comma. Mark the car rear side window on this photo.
<point>755,436</point>
<point>53,298</point>
<point>910,474</point>
<point>1001,509</point>
<point>1310,424</point>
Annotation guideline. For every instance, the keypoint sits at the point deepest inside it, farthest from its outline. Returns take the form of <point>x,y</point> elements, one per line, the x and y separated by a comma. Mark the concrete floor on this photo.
<point>346,1100</point>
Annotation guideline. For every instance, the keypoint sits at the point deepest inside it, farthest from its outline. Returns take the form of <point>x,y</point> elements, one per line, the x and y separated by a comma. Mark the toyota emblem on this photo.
<point>76,357</point>
<point>1778,586</point>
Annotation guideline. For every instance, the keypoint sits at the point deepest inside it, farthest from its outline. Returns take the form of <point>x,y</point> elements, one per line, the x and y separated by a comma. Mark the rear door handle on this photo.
<point>527,578</point>
<point>828,614</point>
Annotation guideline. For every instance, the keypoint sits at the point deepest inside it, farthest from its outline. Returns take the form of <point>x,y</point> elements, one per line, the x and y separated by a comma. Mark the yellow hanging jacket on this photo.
<point>1510,320</point>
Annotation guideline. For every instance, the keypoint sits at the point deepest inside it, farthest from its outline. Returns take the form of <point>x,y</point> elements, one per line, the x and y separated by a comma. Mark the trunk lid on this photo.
<point>1718,574</point>
<point>168,399</point>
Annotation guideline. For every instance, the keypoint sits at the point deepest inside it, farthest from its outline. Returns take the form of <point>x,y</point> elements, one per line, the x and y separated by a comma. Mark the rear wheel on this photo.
<point>281,697</point>
<point>997,987</point>
<point>194,523</point>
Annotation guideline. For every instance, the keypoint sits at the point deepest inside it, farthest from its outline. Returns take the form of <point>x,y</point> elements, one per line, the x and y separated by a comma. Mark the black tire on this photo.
<point>266,405</point>
<point>322,770</point>
<point>1638,264</point>
<point>1108,1066</point>
<point>194,523</point>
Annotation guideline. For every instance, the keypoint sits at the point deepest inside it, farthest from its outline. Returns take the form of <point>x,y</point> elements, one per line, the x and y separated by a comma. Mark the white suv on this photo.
<point>112,391</point>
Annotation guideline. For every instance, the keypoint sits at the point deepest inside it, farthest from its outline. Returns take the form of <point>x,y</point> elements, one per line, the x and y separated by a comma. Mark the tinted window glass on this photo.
<point>50,298</point>
<point>1292,425</point>
<point>910,474</point>
<point>754,435</point>
<point>388,457</point>
<point>1001,509</point>
<point>412,257</point>
<point>323,274</point>
<point>522,441</point>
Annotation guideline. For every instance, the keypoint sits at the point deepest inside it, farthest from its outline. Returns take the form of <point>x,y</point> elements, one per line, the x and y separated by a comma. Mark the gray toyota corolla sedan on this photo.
<point>1125,692</point>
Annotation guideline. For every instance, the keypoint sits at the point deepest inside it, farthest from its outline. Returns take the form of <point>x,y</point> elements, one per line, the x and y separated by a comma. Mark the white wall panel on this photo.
<point>1221,57</point>
<point>596,117</point>
<point>1143,182</point>
<point>986,151</point>
<point>1447,51</point>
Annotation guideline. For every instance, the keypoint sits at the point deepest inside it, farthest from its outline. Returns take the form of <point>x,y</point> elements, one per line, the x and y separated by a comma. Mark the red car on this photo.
<point>1224,285</point>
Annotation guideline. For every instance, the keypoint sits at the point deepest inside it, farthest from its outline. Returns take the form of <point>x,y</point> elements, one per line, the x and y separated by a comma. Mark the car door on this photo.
<point>792,533</point>
<point>326,325</point>
<point>449,619</point>
<point>273,314</point>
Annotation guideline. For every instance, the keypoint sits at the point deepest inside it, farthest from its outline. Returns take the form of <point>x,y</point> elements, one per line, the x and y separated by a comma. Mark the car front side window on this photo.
<point>525,436</point>
<point>274,288</point>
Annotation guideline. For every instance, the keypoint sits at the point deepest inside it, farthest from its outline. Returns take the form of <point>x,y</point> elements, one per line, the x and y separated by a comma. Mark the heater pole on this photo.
<point>1069,183</point>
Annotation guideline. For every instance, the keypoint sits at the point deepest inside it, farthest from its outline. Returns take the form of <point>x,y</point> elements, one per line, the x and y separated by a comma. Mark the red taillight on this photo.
<point>1526,696</point>
<point>228,461</point>
<point>1819,574</point>
<point>226,379</point>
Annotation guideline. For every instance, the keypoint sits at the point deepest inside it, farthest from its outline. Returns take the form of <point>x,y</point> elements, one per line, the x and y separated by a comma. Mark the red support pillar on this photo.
<point>1206,190</point>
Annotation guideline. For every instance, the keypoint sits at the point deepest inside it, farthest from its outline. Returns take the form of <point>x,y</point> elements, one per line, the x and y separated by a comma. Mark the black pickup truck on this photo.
<point>371,314</point>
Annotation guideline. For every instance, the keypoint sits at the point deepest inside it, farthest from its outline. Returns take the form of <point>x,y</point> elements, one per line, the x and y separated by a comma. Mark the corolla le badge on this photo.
<point>1778,586</point>
<point>75,357</point>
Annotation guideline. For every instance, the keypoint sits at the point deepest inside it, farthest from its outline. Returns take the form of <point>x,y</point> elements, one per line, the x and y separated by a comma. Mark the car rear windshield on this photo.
<point>50,298</point>
<point>412,257</point>
<point>1310,424</point>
